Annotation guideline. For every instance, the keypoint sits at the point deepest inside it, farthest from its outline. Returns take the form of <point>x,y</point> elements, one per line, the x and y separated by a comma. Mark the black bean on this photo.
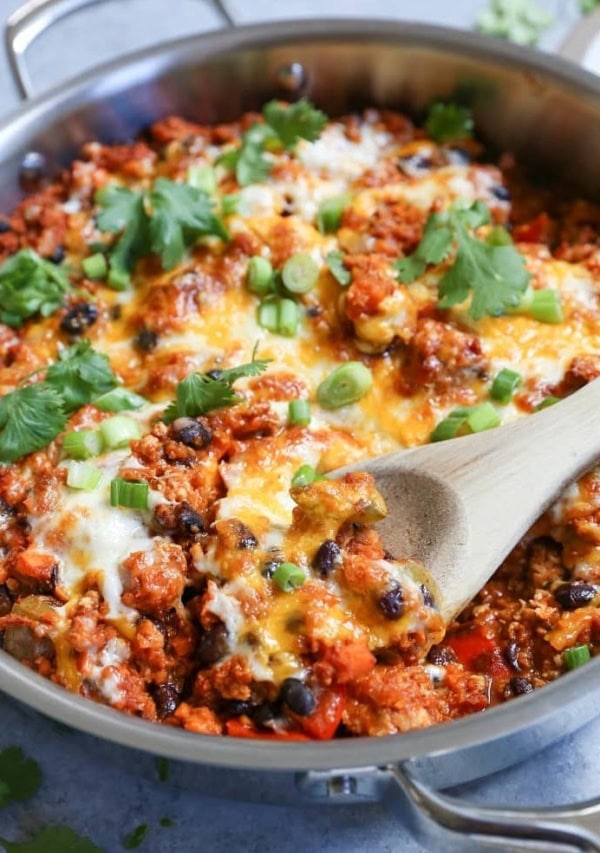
<point>458,156</point>
<point>298,697</point>
<point>501,192</point>
<point>520,686</point>
<point>511,653</point>
<point>391,603</point>
<point>58,255</point>
<point>415,164</point>
<point>265,715</point>
<point>246,538</point>
<point>576,594</point>
<point>193,432</point>
<point>4,226</point>
<point>428,599</point>
<point>269,568</point>
<point>147,340</point>
<point>214,374</point>
<point>313,311</point>
<point>327,558</point>
<point>441,655</point>
<point>22,643</point>
<point>189,522</point>
<point>189,593</point>
<point>235,708</point>
<point>79,318</point>
<point>213,645</point>
<point>115,312</point>
<point>5,601</point>
<point>166,698</point>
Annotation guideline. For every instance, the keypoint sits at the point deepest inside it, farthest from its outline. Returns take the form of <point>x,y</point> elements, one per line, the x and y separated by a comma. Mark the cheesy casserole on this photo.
<point>195,329</point>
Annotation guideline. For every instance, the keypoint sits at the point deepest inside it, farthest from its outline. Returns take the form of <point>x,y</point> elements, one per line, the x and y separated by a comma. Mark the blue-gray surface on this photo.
<point>104,791</point>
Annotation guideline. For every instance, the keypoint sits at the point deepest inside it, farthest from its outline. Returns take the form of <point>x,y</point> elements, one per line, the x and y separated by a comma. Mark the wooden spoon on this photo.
<point>460,506</point>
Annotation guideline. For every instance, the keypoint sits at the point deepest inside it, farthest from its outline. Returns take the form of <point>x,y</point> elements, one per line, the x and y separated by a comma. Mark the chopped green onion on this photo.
<point>288,576</point>
<point>524,304</point>
<point>346,384</point>
<point>119,431</point>
<point>95,266</point>
<point>82,475</point>
<point>83,444</point>
<point>547,401</point>
<point>305,475</point>
<point>119,400</point>
<point>504,385</point>
<point>466,420</point>
<point>335,264</point>
<point>129,494</point>
<point>202,178</point>
<point>329,214</point>
<point>259,276</point>
<point>229,204</point>
<point>300,273</point>
<point>299,412</point>
<point>576,656</point>
<point>287,317</point>
<point>268,315</point>
<point>546,306</point>
<point>118,279</point>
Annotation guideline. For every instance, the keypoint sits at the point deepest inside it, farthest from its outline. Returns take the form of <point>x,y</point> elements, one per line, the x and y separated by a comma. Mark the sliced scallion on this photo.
<point>287,318</point>
<point>346,384</point>
<point>300,273</point>
<point>299,412</point>
<point>229,204</point>
<point>546,306</point>
<point>546,402</point>
<point>504,385</point>
<point>202,178</point>
<point>83,444</point>
<point>119,400</point>
<point>119,431</point>
<point>118,279</point>
<point>305,475</point>
<point>329,214</point>
<point>95,266</point>
<point>129,494</point>
<point>259,276</point>
<point>82,475</point>
<point>576,656</point>
<point>335,264</point>
<point>466,420</point>
<point>268,315</point>
<point>288,576</point>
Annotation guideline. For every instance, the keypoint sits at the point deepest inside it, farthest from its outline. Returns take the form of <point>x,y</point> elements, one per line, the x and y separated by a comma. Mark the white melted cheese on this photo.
<point>334,155</point>
<point>86,534</point>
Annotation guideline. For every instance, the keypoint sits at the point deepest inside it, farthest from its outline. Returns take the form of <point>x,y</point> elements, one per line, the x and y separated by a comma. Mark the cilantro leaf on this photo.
<point>135,837</point>
<point>80,375</point>
<point>294,122</point>
<point>520,21</point>
<point>335,265</point>
<point>167,220</point>
<point>449,122</point>
<point>20,777</point>
<point>199,393</point>
<point>491,270</point>
<point>30,285</point>
<point>180,214</point>
<point>52,839</point>
<point>30,418</point>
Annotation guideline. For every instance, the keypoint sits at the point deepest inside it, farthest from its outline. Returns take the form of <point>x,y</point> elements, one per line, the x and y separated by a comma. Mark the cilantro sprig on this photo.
<point>200,393</point>
<point>491,271</point>
<point>167,220</point>
<point>32,416</point>
<point>447,122</point>
<point>283,127</point>
<point>20,776</point>
<point>52,839</point>
<point>520,21</point>
<point>30,285</point>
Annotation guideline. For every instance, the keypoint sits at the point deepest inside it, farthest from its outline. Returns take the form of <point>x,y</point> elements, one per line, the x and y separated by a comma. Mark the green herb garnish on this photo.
<point>449,122</point>
<point>199,393</point>
<point>20,777</point>
<point>520,21</point>
<point>30,285</point>
<point>52,839</point>
<point>167,220</point>
<point>135,838</point>
<point>284,126</point>
<point>80,375</point>
<point>493,275</point>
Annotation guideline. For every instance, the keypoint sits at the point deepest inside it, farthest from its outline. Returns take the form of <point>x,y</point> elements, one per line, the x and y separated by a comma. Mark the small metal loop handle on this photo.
<point>576,825</point>
<point>36,16</point>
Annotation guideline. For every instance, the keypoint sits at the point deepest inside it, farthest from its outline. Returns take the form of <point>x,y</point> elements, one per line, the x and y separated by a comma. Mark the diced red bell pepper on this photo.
<point>479,653</point>
<point>535,231</point>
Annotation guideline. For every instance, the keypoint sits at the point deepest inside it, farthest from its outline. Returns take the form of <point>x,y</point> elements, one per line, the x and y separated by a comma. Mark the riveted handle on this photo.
<point>36,16</point>
<point>576,825</point>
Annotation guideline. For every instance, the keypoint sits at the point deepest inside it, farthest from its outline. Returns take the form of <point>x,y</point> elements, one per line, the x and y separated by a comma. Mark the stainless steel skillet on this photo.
<point>543,109</point>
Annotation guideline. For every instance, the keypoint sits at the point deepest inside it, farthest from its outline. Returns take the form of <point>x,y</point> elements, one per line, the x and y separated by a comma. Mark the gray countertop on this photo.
<point>104,791</point>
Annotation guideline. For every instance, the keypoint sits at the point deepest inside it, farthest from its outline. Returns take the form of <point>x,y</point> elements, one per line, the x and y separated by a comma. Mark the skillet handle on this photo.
<point>576,825</point>
<point>35,16</point>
